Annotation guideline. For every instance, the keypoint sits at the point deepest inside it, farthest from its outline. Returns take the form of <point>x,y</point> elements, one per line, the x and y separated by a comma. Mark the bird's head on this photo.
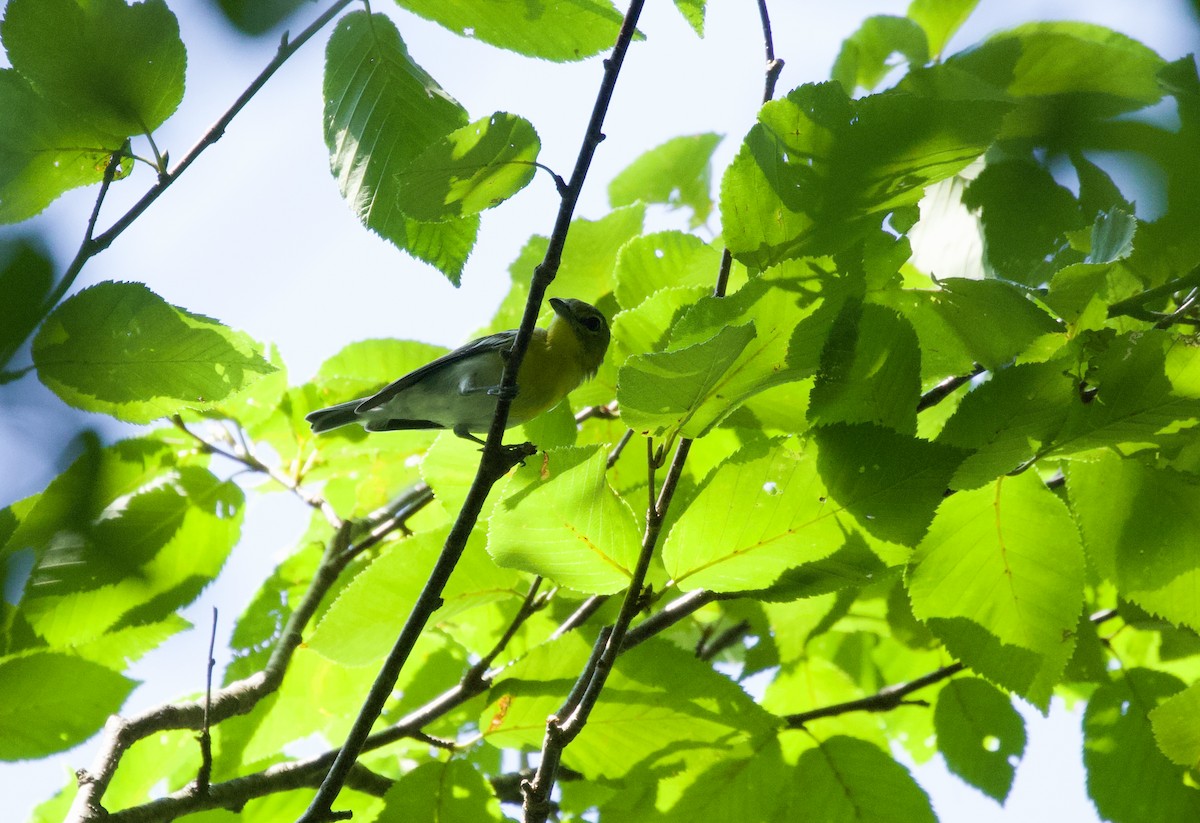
<point>589,327</point>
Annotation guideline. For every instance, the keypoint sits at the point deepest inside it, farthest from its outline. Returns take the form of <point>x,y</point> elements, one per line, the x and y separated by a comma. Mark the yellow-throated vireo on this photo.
<point>458,391</point>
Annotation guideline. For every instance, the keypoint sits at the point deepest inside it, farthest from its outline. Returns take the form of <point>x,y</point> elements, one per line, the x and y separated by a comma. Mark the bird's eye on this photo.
<point>592,323</point>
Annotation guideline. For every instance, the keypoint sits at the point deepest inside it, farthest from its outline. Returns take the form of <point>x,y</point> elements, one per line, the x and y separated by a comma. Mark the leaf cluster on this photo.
<point>939,421</point>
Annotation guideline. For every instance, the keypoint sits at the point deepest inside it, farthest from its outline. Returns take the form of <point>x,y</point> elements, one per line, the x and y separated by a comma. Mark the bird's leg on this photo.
<point>460,431</point>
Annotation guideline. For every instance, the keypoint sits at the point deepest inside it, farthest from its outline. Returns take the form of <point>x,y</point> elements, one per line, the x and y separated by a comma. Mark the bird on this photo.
<point>459,390</point>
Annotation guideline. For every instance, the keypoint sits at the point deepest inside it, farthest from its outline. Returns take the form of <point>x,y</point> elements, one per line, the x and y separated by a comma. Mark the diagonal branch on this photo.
<point>497,459</point>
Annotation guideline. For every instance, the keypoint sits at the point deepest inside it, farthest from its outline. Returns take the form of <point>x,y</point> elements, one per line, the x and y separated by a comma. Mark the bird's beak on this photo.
<point>561,308</point>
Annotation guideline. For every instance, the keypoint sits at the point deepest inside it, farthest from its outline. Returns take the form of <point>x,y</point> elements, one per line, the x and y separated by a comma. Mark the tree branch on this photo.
<point>884,700</point>
<point>1136,306</point>
<point>579,703</point>
<point>496,460</point>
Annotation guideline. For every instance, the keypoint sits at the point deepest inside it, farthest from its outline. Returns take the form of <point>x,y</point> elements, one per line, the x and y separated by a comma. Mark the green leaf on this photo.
<point>820,171</point>
<point>1119,752</point>
<point>1026,215</point>
<point>646,327</point>
<point>469,170</point>
<point>1112,236</point>
<point>559,518</point>
<point>562,31</point>
<point>677,174</point>
<point>120,67</point>
<point>940,19</point>
<point>727,789</point>
<point>1176,728</point>
<point>980,734</point>
<point>662,391</point>
<point>890,482</point>
<point>661,260</point>
<point>660,703</point>
<point>996,321</point>
<point>141,559</point>
<point>760,512</point>
<point>1007,559</point>
<point>449,791</point>
<point>258,16</point>
<point>722,352</point>
<point>693,12</point>
<point>1050,59</point>
<point>847,780</point>
<point>54,702</point>
<point>382,111</point>
<point>1147,395</point>
<point>863,59</point>
<point>1138,523</point>
<point>121,349</point>
<point>870,370</point>
<point>25,282</point>
<point>361,624</point>
<point>1008,420</point>
<point>45,149</point>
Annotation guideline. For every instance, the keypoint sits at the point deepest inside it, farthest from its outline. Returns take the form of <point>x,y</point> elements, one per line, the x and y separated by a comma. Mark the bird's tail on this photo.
<point>342,414</point>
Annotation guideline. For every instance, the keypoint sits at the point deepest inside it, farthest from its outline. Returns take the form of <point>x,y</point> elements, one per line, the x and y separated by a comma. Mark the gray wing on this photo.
<point>484,345</point>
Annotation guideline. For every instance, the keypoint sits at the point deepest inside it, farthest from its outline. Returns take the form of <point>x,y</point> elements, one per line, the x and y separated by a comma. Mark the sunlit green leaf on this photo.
<point>119,348</point>
<point>1008,420</point>
<point>940,19</point>
<point>1137,524</point>
<point>561,31</point>
<point>45,149</point>
<point>559,518</point>
<point>844,779</point>
<point>469,170</point>
<point>863,59</point>
<point>663,260</point>
<point>656,697</point>
<point>759,513</point>
<point>722,352</point>
<point>449,791</point>
<point>677,174</point>
<point>361,625</point>
<point>819,171</point>
<point>1006,560</point>
<point>382,110</point>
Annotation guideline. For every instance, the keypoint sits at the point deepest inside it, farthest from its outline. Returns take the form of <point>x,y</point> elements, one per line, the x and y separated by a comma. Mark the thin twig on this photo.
<point>204,775</point>
<point>247,458</point>
<point>580,615</point>
<point>774,64</point>
<point>947,387</point>
<point>615,454</point>
<point>497,459</point>
<point>884,700</point>
<point>723,640</point>
<point>1136,306</point>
